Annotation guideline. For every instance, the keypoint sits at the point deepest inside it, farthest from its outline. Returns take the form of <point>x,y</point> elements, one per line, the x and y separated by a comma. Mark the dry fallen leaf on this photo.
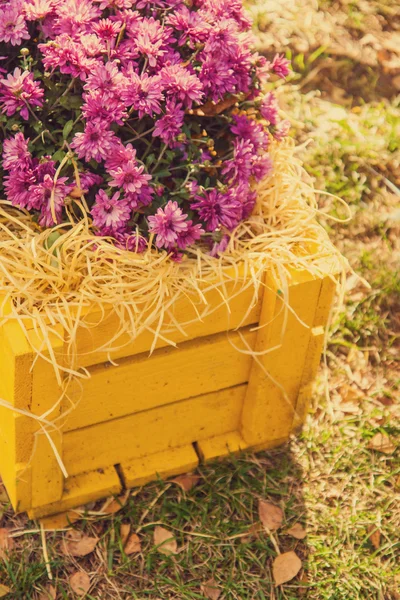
<point>4,590</point>
<point>50,593</point>
<point>252,532</point>
<point>210,589</point>
<point>114,505</point>
<point>124,532</point>
<point>6,543</point>
<point>80,583</point>
<point>374,536</point>
<point>381,443</point>
<point>285,567</point>
<point>165,541</point>
<point>76,544</point>
<point>271,516</point>
<point>133,545</point>
<point>186,482</point>
<point>297,531</point>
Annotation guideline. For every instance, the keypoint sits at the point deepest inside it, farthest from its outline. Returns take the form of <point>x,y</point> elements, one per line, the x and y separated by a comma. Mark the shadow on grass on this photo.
<point>216,526</point>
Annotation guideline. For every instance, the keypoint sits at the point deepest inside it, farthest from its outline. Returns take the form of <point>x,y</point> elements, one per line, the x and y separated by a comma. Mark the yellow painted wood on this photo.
<point>141,383</point>
<point>153,431</point>
<point>173,461</point>
<point>274,383</point>
<point>221,445</point>
<point>100,332</point>
<point>81,489</point>
<point>323,309</point>
<point>16,438</point>
<point>232,443</point>
<point>47,477</point>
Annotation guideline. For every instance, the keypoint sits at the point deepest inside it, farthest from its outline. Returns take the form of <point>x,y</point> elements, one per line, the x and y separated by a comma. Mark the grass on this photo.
<point>328,479</point>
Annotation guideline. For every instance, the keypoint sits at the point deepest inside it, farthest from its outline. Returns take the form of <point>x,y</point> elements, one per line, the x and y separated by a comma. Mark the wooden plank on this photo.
<point>276,375</point>
<point>141,383</point>
<point>80,490</point>
<point>315,348</point>
<point>232,443</point>
<point>236,304</point>
<point>153,431</point>
<point>173,461</point>
<point>47,477</point>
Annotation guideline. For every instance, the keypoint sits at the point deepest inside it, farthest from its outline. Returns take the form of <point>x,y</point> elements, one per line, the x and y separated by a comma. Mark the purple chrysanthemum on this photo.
<point>13,27</point>
<point>110,214</point>
<point>170,125</point>
<point>269,108</point>
<point>130,177</point>
<point>280,66</point>
<point>18,92</point>
<point>48,197</point>
<point>180,83</point>
<point>143,94</point>
<point>95,142</point>
<point>15,153</point>
<point>218,209</point>
<point>168,224</point>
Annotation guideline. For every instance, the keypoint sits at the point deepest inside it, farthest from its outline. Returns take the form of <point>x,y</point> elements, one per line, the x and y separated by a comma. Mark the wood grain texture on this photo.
<point>173,461</point>
<point>153,431</point>
<point>141,383</point>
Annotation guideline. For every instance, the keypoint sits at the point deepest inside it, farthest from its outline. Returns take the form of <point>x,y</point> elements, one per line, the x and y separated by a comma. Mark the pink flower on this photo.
<point>15,153</point>
<point>107,79</point>
<point>170,125</point>
<point>106,29</point>
<point>18,91</point>
<point>190,235</point>
<point>38,9</point>
<point>238,170</point>
<point>133,242</point>
<point>121,154</point>
<point>182,84</point>
<point>150,38</point>
<point>110,214</point>
<point>94,108</point>
<point>130,177</point>
<point>281,130</point>
<point>49,198</point>
<point>12,24</point>
<point>168,223</point>
<point>95,142</point>
<point>280,66</point>
<point>269,108</point>
<point>74,16</point>
<point>17,186</point>
<point>143,94</point>
<point>217,209</point>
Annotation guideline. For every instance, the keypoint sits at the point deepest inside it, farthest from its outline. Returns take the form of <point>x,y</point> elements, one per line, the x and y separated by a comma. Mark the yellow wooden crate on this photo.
<point>160,415</point>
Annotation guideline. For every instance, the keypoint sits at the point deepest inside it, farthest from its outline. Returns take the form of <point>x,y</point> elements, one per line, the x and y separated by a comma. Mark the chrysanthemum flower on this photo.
<point>130,177</point>
<point>95,142</point>
<point>170,125</point>
<point>18,91</point>
<point>269,108</point>
<point>143,93</point>
<point>38,9</point>
<point>13,27</point>
<point>110,214</point>
<point>168,224</point>
<point>218,209</point>
<point>48,197</point>
<point>16,154</point>
<point>280,66</point>
<point>180,83</point>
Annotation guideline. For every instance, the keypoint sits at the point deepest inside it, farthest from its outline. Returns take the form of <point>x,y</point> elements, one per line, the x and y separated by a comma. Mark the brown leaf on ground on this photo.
<point>49,593</point>
<point>133,545</point>
<point>165,540</point>
<point>285,567</point>
<point>210,590</point>
<point>124,532</point>
<point>6,543</point>
<point>297,531</point>
<point>271,516</point>
<point>77,544</point>
<point>80,583</point>
<point>374,536</point>
<point>114,505</point>
<point>381,443</point>
<point>186,482</point>
<point>4,590</point>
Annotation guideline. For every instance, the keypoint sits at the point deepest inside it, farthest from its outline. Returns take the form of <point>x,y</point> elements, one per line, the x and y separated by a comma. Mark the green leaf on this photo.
<point>70,101</point>
<point>59,155</point>
<point>67,129</point>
